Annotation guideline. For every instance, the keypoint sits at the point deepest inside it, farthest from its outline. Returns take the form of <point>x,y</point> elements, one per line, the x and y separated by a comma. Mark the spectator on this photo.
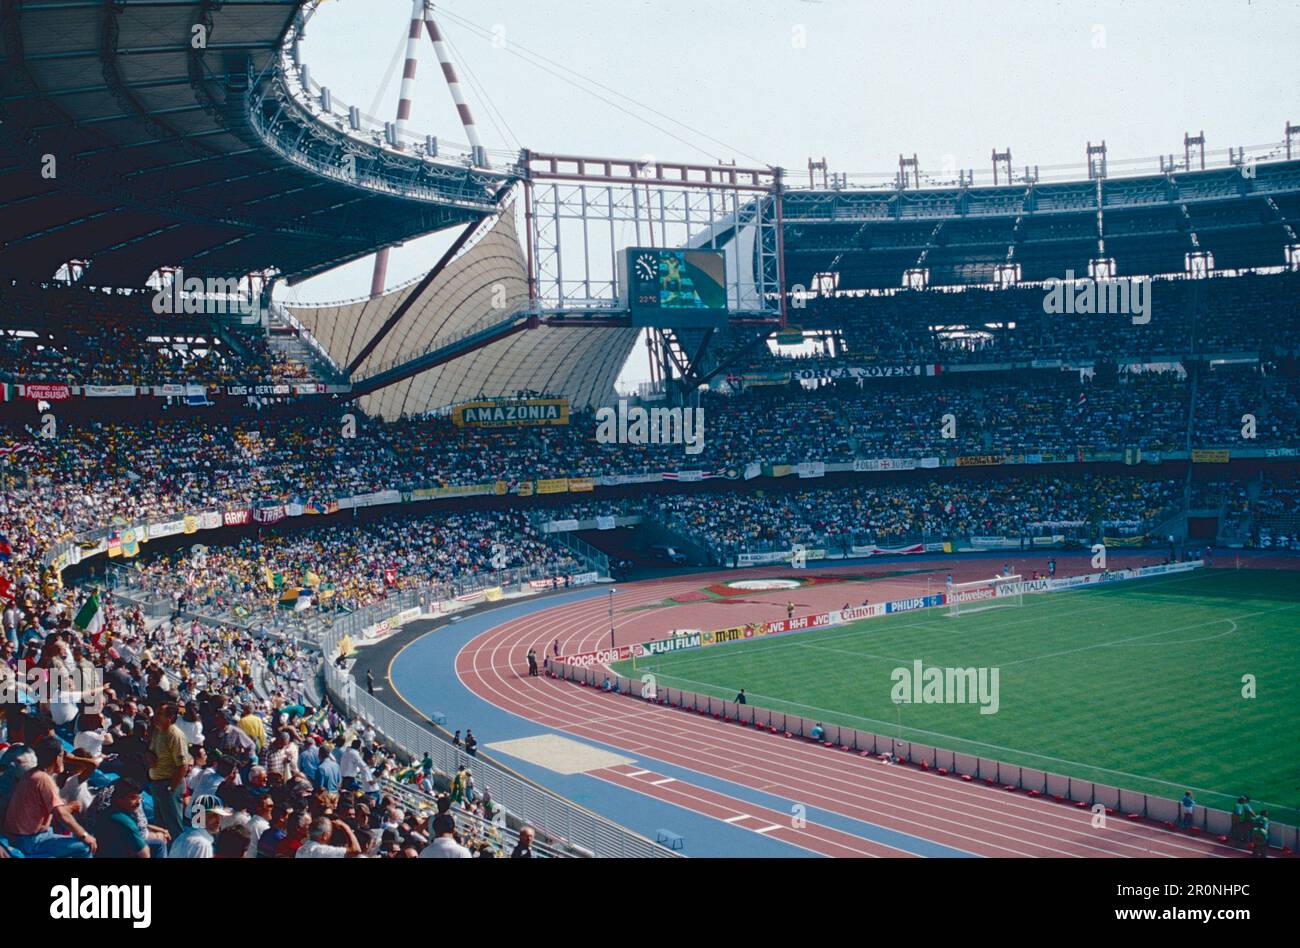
<point>34,804</point>
<point>444,845</point>
<point>322,831</point>
<point>524,849</point>
<point>171,762</point>
<point>120,836</point>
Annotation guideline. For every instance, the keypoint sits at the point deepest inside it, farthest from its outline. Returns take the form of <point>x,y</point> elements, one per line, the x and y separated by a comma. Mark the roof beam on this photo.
<point>404,307</point>
<point>443,354</point>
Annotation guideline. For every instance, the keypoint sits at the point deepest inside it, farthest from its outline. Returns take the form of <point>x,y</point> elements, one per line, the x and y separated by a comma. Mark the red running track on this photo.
<point>967,816</point>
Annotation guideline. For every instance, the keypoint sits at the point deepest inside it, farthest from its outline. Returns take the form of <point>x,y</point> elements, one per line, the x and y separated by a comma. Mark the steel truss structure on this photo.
<point>581,212</point>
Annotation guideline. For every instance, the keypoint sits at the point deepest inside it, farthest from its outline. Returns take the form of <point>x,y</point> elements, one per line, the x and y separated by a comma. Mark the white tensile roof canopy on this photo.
<point>578,364</point>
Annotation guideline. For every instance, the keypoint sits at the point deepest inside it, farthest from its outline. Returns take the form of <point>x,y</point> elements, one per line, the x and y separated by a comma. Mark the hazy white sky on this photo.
<point>858,81</point>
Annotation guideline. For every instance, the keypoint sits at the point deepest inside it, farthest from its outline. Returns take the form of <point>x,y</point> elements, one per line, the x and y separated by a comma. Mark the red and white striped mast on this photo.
<point>403,115</point>
<point>479,155</point>
<point>422,13</point>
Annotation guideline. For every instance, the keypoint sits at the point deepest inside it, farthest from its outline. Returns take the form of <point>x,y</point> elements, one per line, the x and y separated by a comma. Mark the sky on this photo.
<point>774,82</point>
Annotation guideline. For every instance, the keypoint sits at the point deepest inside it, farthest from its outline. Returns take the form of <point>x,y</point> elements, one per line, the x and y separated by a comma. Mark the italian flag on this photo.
<point>91,617</point>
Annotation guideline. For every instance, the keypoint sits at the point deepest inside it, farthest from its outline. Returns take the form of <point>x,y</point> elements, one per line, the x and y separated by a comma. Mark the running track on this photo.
<point>968,817</point>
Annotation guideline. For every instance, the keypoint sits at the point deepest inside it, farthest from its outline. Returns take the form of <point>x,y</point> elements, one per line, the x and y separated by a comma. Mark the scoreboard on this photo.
<point>674,289</point>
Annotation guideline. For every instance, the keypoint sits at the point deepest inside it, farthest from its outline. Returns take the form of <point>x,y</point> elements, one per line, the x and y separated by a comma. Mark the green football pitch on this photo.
<point>1140,684</point>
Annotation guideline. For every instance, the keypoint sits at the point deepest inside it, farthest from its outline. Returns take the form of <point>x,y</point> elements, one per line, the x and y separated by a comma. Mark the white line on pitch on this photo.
<point>659,783</point>
<point>737,819</point>
<point>637,773</point>
<point>767,829</point>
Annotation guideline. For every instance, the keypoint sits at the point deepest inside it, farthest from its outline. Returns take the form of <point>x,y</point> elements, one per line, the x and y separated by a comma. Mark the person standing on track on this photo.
<point>789,609</point>
<point>1259,835</point>
<point>740,698</point>
<point>1187,809</point>
<point>532,662</point>
<point>1242,818</point>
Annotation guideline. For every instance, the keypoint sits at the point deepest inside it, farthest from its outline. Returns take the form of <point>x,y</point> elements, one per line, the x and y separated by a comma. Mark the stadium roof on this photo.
<point>961,235</point>
<point>483,285</point>
<point>164,154</point>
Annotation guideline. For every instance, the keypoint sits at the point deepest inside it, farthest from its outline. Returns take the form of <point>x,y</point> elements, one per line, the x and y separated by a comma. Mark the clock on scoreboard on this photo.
<point>674,289</point>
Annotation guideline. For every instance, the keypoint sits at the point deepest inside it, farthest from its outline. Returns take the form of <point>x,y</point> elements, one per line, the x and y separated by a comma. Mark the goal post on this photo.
<point>983,594</point>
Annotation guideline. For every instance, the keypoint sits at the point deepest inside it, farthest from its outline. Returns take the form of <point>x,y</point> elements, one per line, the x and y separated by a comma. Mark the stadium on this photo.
<point>621,507</point>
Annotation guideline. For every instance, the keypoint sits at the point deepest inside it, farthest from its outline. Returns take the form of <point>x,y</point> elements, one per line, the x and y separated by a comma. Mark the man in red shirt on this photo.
<point>29,820</point>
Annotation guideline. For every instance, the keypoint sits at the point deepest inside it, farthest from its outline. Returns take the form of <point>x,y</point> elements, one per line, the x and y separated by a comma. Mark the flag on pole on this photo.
<point>91,617</point>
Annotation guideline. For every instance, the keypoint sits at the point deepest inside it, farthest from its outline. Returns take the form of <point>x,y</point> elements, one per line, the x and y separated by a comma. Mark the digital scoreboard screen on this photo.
<point>677,289</point>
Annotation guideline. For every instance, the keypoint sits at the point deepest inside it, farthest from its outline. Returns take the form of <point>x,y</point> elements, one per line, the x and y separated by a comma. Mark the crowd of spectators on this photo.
<point>79,336</point>
<point>130,738</point>
<point>1259,314</point>
<point>96,470</point>
<point>1277,516</point>
<point>838,518</point>
<point>350,566</point>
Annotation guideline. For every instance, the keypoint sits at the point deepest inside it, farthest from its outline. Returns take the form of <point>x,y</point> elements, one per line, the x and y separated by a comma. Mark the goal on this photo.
<point>982,594</point>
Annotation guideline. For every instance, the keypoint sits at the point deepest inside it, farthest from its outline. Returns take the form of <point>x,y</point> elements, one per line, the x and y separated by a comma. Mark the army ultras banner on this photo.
<point>506,414</point>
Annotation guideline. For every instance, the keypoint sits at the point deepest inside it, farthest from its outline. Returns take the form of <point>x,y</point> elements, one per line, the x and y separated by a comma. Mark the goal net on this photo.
<point>983,594</point>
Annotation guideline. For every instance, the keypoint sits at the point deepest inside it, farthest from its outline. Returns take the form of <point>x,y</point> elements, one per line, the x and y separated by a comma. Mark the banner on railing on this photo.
<point>268,513</point>
<point>1208,456</point>
<point>604,656</point>
<point>506,414</point>
<point>864,372</point>
<point>47,393</point>
<point>871,549</point>
<point>887,464</point>
<point>561,526</point>
<point>995,543</point>
<point>167,529</point>
<point>389,625</point>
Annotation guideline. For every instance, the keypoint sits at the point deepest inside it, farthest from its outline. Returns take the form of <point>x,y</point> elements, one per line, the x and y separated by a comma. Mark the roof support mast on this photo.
<point>380,273</point>
<point>478,153</point>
